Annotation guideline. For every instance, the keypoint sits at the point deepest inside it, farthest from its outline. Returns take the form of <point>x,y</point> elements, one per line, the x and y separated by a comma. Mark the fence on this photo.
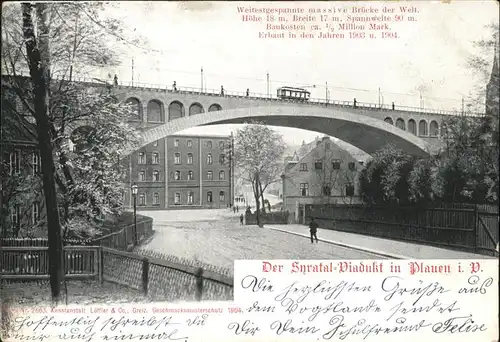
<point>123,239</point>
<point>32,263</point>
<point>165,279</point>
<point>277,217</point>
<point>157,278</point>
<point>461,227</point>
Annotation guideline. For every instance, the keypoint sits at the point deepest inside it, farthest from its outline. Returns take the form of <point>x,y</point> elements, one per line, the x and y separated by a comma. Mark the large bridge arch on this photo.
<point>366,133</point>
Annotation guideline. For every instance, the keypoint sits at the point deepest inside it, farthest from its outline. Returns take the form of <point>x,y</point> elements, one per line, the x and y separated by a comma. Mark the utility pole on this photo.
<point>268,84</point>
<point>379,98</point>
<point>201,79</point>
<point>463,106</point>
<point>132,72</point>
<point>326,91</point>
<point>231,170</point>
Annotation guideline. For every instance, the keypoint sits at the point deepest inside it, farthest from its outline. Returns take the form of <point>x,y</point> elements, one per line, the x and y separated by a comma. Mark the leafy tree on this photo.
<point>371,177</point>
<point>420,181</point>
<point>52,42</point>
<point>257,153</point>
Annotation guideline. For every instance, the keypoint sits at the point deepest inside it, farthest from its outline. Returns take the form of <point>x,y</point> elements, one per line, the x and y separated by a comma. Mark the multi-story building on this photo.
<point>182,171</point>
<point>327,174</point>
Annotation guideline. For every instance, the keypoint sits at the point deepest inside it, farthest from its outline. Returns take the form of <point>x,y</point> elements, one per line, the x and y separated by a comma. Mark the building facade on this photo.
<point>327,174</point>
<point>181,172</point>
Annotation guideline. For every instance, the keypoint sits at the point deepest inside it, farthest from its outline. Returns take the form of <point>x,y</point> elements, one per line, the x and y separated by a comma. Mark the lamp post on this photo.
<point>134,193</point>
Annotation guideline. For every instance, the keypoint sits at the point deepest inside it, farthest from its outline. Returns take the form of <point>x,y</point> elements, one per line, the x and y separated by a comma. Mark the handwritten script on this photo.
<point>360,300</point>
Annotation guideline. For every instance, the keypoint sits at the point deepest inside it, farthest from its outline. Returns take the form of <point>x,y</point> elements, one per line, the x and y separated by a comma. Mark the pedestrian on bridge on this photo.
<point>248,92</point>
<point>221,90</point>
<point>313,229</point>
<point>174,86</point>
<point>241,219</point>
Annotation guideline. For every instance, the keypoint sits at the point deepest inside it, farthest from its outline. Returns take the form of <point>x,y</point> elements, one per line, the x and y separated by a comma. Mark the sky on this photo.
<point>428,60</point>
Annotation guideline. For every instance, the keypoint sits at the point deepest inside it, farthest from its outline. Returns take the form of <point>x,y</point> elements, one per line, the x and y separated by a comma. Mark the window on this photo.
<point>190,197</point>
<point>326,191</point>
<point>176,143</point>
<point>36,163</point>
<point>209,144</point>
<point>209,197</point>
<point>304,189</point>
<point>190,175</point>
<point>177,175</point>
<point>222,159</point>
<point>221,145</point>
<point>156,176</point>
<point>303,166</point>
<point>189,143</point>
<point>177,158</point>
<point>336,164</point>
<point>222,175</point>
<point>318,165</point>
<point>156,158</point>
<point>142,199</point>
<point>15,163</point>
<point>210,175</point>
<point>349,189</point>
<point>190,158</point>
<point>35,213</point>
<point>15,216</point>
<point>142,175</point>
<point>352,166</point>
<point>156,198</point>
<point>209,159</point>
<point>141,158</point>
<point>177,198</point>
<point>155,144</point>
<point>222,196</point>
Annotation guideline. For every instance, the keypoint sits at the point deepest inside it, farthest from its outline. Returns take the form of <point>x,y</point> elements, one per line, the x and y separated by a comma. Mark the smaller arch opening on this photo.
<point>400,123</point>
<point>135,106</point>
<point>155,111</point>
<point>412,126</point>
<point>422,128</point>
<point>389,120</point>
<point>195,109</point>
<point>214,107</point>
<point>175,110</point>
<point>434,129</point>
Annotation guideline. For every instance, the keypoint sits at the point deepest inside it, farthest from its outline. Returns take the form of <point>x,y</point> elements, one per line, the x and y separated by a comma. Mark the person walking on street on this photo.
<point>241,219</point>
<point>313,229</point>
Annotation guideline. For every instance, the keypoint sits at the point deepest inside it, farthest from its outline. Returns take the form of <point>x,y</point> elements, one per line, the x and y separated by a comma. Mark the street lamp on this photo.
<point>134,193</point>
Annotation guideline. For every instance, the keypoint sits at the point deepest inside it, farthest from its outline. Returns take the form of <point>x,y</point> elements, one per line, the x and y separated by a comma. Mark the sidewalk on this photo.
<point>378,246</point>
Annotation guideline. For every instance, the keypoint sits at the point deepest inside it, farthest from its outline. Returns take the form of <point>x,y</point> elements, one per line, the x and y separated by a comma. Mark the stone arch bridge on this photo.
<point>163,111</point>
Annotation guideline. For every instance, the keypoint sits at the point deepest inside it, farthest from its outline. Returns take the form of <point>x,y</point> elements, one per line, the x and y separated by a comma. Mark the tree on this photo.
<point>258,151</point>
<point>61,39</point>
<point>486,72</point>
<point>38,56</point>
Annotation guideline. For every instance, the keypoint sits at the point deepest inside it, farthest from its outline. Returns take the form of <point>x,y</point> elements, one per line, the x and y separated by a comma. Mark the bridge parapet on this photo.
<point>273,97</point>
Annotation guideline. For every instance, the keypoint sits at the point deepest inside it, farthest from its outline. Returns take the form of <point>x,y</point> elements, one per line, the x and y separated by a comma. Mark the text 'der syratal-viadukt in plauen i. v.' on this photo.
<point>357,300</point>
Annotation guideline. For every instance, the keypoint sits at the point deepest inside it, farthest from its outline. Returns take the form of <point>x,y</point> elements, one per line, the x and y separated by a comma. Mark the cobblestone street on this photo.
<point>216,237</point>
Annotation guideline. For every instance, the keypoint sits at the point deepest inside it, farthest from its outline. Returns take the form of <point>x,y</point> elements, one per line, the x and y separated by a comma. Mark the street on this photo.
<point>216,237</point>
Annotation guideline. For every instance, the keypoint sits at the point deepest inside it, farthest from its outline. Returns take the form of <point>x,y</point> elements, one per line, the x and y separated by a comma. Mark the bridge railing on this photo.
<point>271,97</point>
